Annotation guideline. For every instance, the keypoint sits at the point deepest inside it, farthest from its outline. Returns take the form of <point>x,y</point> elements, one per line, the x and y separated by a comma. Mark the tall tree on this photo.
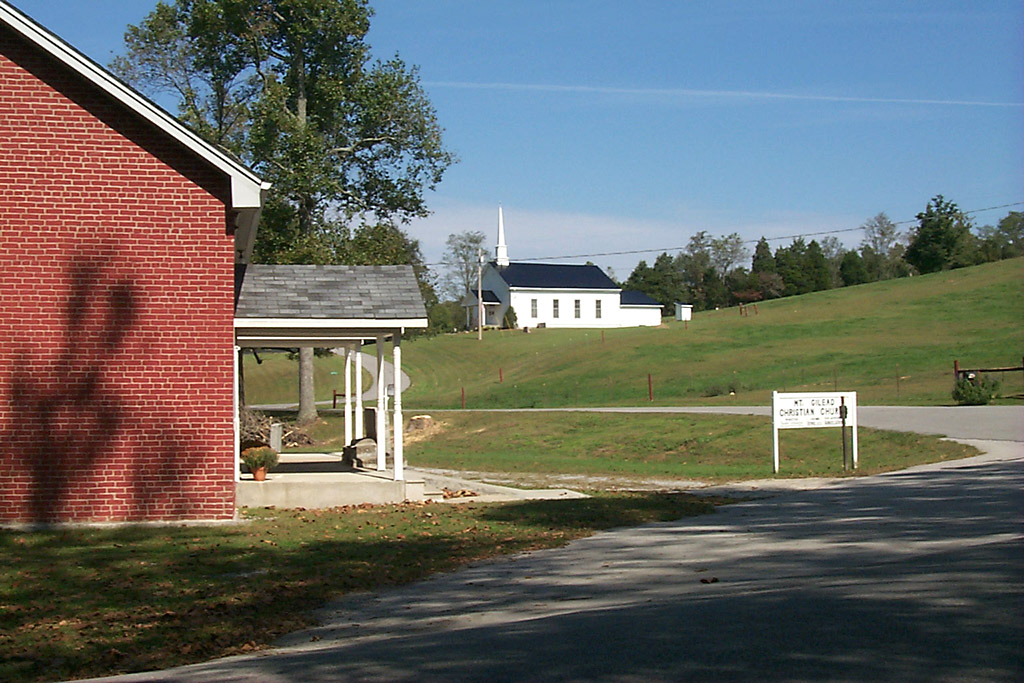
<point>789,263</point>
<point>834,251</point>
<point>882,245</point>
<point>727,253</point>
<point>1005,240</point>
<point>852,270</point>
<point>943,238</point>
<point>662,282</point>
<point>461,258</point>
<point>816,268</point>
<point>289,86</point>
<point>763,261</point>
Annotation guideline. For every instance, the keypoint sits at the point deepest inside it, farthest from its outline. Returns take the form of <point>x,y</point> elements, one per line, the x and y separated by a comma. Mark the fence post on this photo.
<point>463,398</point>
<point>650,388</point>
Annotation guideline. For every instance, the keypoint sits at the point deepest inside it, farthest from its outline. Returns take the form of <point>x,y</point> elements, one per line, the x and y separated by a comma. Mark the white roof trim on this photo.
<point>246,186</point>
<point>569,290</point>
<point>328,323</point>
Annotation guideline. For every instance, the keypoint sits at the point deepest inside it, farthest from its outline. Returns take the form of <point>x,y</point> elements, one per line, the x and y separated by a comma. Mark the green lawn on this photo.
<point>95,601</point>
<point>893,342</point>
<point>662,446</point>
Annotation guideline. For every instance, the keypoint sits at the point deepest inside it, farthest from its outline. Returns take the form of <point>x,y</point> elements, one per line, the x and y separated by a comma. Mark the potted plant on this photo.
<point>259,460</point>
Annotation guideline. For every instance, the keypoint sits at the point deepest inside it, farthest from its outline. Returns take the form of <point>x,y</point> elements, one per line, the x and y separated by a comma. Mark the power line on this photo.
<point>750,241</point>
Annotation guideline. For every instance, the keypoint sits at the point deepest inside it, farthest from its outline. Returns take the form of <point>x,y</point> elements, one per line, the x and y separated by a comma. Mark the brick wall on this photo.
<point>116,302</point>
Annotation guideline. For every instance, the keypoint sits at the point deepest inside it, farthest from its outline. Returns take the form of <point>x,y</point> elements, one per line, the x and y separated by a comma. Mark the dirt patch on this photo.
<point>577,482</point>
<point>425,433</point>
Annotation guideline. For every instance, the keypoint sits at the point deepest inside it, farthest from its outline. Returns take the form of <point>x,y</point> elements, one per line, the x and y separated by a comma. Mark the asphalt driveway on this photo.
<point>916,575</point>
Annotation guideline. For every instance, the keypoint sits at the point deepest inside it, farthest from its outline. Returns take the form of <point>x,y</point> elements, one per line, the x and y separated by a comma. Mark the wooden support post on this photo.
<point>650,387</point>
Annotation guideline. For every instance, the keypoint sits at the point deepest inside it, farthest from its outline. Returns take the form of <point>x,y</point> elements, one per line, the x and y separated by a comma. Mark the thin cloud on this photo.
<point>696,93</point>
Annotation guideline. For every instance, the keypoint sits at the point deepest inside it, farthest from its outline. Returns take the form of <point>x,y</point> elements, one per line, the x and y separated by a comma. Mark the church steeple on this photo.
<point>501,251</point>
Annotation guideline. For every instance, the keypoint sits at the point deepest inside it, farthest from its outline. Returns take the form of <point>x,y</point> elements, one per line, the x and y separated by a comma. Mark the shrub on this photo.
<point>975,391</point>
<point>714,390</point>
<point>509,322</point>
<point>260,456</point>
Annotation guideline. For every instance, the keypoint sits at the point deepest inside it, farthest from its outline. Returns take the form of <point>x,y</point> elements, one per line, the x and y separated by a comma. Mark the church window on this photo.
<point>554,308</point>
<point>533,308</point>
<point>597,309</point>
<point>577,311</point>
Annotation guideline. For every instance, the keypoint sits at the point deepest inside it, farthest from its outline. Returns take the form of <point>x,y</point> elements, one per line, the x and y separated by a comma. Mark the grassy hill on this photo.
<point>852,339</point>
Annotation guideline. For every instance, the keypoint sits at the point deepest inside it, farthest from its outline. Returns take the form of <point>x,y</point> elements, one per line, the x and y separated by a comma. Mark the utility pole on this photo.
<point>479,294</point>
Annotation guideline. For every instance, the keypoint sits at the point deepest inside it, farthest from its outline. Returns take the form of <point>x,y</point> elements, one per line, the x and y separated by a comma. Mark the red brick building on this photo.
<point>119,233</point>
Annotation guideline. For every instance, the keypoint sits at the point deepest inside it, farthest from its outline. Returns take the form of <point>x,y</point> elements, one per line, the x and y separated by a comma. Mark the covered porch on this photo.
<point>338,307</point>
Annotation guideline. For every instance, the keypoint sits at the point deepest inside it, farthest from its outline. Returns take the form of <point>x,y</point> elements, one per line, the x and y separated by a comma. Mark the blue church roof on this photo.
<point>632,297</point>
<point>554,276</point>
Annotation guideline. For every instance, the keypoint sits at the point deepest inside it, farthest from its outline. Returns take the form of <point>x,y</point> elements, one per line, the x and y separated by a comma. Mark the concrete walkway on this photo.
<point>915,575</point>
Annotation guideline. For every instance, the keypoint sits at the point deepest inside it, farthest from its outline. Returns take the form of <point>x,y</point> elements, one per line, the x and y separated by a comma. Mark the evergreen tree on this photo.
<point>943,238</point>
<point>789,263</point>
<point>852,270</point>
<point>816,269</point>
<point>763,261</point>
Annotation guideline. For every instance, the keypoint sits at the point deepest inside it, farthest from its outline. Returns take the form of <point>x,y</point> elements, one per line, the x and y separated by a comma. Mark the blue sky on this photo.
<point>606,126</point>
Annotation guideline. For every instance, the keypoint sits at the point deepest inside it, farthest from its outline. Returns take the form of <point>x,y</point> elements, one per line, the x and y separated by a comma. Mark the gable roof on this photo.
<point>246,187</point>
<point>488,295</point>
<point>330,292</point>
<point>554,276</point>
<point>632,297</point>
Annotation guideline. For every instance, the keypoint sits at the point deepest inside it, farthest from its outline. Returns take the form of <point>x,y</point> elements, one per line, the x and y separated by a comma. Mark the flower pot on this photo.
<point>260,474</point>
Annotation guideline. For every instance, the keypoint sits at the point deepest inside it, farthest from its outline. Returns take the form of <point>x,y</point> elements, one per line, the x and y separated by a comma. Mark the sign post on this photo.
<point>811,411</point>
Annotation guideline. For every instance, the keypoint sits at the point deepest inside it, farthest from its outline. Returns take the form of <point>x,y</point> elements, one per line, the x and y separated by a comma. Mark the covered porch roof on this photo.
<point>323,306</point>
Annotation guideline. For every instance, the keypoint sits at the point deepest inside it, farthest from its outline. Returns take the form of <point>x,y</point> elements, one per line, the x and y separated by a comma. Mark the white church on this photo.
<point>554,295</point>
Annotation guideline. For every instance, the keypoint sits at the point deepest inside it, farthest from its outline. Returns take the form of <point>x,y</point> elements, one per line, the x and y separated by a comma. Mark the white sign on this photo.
<point>809,411</point>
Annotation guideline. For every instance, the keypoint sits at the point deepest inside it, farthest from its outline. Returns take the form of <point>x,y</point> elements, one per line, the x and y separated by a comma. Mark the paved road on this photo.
<point>997,423</point>
<point>916,575</point>
<point>369,363</point>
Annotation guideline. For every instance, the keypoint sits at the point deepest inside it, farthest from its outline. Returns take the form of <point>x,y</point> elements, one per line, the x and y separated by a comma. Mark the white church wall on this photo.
<point>641,316</point>
<point>537,306</point>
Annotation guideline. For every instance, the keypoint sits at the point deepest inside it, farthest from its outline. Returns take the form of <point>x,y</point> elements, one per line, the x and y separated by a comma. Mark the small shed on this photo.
<point>684,311</point>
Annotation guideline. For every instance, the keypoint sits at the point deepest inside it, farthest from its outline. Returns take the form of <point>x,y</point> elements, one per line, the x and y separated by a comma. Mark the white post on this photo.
<point>479,295</point>
<point>775,437</point>
<point>855,430</point>
<point>397,422</point>
<point>382,431</point>
<point>348,395</point>
<point>360,428</point>
<point>235,417</point>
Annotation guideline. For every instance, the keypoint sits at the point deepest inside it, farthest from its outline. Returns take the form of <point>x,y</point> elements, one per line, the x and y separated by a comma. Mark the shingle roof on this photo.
<point>330,292</point>
<point>555,276</point>
<point>632,297</point>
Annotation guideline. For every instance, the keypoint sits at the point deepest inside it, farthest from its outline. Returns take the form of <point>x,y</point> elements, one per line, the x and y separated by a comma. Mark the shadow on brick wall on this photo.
<point>64,414</point>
